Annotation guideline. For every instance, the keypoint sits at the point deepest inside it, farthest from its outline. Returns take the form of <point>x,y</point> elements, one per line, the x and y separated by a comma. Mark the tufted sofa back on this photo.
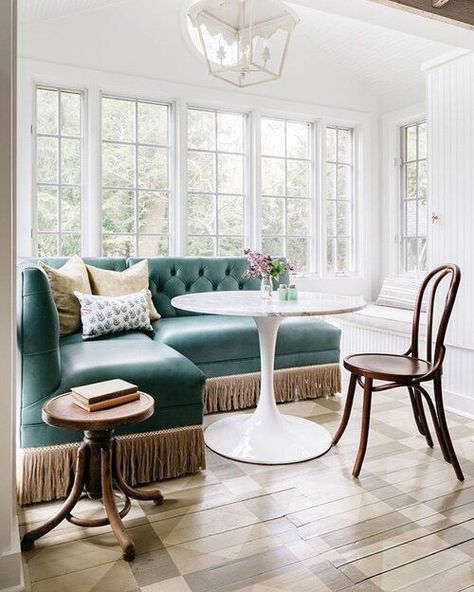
<point>174,276</point>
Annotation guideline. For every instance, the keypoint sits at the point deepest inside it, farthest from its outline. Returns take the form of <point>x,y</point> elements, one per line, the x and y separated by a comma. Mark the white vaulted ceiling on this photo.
<point>332,59</point>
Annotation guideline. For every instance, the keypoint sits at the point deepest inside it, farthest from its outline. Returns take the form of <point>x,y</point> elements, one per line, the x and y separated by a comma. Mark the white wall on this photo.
<point>10,560</point>
<point>451,182</point>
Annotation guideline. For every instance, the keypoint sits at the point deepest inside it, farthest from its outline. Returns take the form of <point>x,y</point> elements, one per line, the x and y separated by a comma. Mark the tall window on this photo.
<point>216,182</point>
<point>286,190</point>
<point>58,172</point>
<point>414,212</point>
<point>340,205</point>
<point>135,177</point>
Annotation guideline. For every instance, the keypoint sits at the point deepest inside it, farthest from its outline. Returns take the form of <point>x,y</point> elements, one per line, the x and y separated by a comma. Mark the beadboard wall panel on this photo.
<point>450,96</point>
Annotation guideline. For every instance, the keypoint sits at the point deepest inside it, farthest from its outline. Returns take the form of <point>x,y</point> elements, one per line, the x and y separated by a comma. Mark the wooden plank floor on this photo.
<point>406,524</point>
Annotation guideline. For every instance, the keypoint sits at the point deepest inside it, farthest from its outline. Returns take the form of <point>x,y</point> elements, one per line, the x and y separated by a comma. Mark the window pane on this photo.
<point>273,246</point>
<point>70,245</point>
<point>340,207</point>
<point>230,132</point>
<point>297,253</point>
<point>230,215</point>
<point>298,140</point>
<point>47,206</point>
<point>118,165</point>
<point>153,246</point>
<point>331,173</point>
<point>118,211</point>
<point>47,160</point>
<point>71,209</point>
<point>298,217</point>
<point>71,162</point>
<point>273,137</point>
<point>422,140</point>
<point>412,255</point>
<point>201,129</point>
<point>58,172</point>
<point>344,219</point>
<point>411,142</point>
<point>48,245</point>
<point>201,172</point>
<point>203,246</point>
<point>273,176</point>
<point>153,212</point>
<point>47,111</point>
<point>118,246</point>
<point>297,178</point>
<point>152,167</point>
<point>201,211</point>
<point>118,120</point>
<point>411,180</point>
<point>152,124</point>
<point>344,182</point>
<point>410,208</point>
<point>331,218</point>
<point>273,221</point>
<point>331,144</point>
<point>230,173</point>
<point>422,180</point>
<point>344,149</point>
<point>422,254</point>
<point>422,217</point>
<point>70,114</point>
<point>229,246</point>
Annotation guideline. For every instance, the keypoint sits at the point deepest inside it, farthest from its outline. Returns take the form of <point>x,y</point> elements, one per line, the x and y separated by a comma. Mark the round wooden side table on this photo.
<point>97,466</point>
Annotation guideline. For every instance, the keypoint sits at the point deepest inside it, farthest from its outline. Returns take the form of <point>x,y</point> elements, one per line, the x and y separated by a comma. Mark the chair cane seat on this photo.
<point>389,367</point>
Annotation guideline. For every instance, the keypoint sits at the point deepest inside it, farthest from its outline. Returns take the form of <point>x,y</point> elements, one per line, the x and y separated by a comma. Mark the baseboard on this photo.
<point>11,567</point>
<point>459,404</point>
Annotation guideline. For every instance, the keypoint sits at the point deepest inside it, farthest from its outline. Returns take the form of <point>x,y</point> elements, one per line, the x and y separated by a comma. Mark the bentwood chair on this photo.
<point>409,370</point>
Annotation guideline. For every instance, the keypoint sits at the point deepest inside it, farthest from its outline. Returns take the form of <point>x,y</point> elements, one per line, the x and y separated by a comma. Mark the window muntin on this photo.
<point>58,172</point>
<point>136,192</point>
<point>413,198</point>
<point>340,203</point>
<point>216,182</point>
<point>287,190</point>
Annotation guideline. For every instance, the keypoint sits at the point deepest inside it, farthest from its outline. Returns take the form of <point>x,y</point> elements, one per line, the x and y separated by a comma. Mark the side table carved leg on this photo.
<point>29,538</point>
<point>153,495</point>
<point>124,539</point>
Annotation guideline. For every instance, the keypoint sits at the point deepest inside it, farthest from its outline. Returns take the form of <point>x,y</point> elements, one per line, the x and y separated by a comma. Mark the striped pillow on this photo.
<point>399,292</point>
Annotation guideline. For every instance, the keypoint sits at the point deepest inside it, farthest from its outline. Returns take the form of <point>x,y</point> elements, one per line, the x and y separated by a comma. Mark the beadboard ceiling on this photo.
<point>385,61</point>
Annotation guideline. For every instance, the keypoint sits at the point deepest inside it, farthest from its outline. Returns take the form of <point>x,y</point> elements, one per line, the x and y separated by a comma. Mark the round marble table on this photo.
<point>267,436</point>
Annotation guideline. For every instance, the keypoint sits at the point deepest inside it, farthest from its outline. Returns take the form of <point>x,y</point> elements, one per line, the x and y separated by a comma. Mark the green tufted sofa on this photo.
<point>191,364</point>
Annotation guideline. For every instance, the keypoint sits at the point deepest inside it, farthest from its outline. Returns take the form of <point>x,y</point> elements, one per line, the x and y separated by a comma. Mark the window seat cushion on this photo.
<point>383,318</point>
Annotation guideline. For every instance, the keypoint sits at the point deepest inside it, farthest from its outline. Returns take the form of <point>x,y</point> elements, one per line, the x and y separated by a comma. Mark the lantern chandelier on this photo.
<point>244,41</point>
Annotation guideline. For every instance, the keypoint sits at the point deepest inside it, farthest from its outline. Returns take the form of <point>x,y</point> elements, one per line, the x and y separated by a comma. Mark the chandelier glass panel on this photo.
<point>244,41</point>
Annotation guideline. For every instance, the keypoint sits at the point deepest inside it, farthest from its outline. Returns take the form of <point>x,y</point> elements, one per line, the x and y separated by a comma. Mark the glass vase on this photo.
<point>266,288</point>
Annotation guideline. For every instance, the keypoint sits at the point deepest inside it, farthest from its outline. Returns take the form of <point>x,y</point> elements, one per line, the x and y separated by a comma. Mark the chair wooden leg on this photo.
<point>124,539</point>
<point>364,432</point>
<point>420,417</point>
<point>438,389</point>
<point>28,540</point>
<point>347,410</point>
<point>434,419</point>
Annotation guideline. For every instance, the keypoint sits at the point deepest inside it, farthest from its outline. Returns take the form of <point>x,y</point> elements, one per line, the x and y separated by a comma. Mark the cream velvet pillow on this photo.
<point>120,283</point>
<point>66,280</point>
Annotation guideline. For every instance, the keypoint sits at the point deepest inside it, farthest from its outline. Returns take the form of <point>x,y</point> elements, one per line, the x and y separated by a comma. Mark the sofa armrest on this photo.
<point>38,337</point>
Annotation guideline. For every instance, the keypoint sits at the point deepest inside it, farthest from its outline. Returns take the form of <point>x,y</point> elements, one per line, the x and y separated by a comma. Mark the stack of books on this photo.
<point>102,395</point>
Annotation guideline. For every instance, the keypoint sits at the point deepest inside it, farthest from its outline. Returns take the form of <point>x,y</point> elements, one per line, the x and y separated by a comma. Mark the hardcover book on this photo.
<point>90,394</point>
<point>106,404</point>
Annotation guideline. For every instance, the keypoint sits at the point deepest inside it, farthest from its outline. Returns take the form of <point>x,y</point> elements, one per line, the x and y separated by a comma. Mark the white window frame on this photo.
<point>354,243</point>
<point>35,232</point>
<point>136,189</point>
<point>313,185</point>
<point>402,197</point>
<point>247,172</point>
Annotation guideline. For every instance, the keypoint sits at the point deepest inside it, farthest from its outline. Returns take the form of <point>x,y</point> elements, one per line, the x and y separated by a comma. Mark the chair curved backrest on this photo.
<point>428,292</point>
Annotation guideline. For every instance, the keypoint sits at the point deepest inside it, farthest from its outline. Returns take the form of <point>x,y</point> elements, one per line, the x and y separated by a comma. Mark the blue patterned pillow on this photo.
<point>400,292</point>
<point>102,315</point>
